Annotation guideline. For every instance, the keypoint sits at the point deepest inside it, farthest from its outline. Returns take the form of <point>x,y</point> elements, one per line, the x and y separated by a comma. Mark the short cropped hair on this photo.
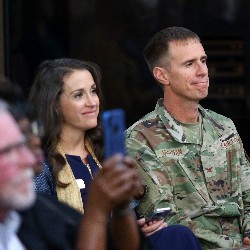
<point>156,50</point>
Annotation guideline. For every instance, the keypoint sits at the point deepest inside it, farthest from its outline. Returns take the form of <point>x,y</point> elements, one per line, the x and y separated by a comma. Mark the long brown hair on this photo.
<point>45,94</point>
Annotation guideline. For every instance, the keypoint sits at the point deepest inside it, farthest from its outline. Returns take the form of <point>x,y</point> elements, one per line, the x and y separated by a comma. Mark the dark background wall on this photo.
<point>113,33</point>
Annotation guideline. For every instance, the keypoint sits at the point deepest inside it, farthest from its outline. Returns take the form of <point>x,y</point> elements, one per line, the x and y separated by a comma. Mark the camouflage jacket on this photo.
<point>206,184</point>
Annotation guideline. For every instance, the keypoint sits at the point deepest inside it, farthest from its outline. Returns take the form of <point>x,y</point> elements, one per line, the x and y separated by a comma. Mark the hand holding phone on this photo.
<point>158,214</point>
<point>113,122</point>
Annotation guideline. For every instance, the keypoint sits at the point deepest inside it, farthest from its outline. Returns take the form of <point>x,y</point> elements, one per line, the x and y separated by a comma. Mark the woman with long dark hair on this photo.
<point>67,96</point>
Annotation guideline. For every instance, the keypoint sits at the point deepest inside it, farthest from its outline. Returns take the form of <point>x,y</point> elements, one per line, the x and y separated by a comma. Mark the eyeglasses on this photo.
<point>16,146</point>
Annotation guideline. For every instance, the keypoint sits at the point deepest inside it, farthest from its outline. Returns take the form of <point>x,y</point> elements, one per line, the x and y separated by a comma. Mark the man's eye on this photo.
<point>204,61</point>
<point>7,150</point>
<point>11,148</point>
<point>189,64</point>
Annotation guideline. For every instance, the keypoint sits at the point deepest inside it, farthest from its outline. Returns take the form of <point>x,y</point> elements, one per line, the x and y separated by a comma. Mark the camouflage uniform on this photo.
<point>204,177</point>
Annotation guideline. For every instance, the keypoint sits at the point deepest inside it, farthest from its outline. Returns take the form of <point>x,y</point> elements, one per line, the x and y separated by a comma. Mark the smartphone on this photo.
<point>113,122</point>
<point>158,214</point>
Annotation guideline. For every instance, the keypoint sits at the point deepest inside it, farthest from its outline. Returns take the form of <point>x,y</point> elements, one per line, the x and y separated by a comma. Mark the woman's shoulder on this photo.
<point>44,182</point>
<point>46,171</point>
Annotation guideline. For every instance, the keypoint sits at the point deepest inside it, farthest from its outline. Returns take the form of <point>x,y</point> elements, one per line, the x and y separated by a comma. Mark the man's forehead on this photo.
<point>184,42</point>
<point>186,48</point>
<point>9,130</point>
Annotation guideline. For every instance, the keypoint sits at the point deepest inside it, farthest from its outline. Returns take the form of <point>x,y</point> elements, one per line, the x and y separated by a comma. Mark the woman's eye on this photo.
<point>94,91</point>
<point>78,95</point>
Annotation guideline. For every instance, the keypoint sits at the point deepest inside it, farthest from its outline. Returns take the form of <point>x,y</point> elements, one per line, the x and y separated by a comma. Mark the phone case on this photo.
<point>113,122</point>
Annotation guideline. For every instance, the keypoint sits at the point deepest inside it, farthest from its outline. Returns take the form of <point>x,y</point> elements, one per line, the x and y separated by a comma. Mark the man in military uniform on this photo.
<point>189,158</point>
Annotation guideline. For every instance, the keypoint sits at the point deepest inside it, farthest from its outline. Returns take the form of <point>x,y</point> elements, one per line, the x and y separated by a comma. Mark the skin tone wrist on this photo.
<point>123,211</point>
<point>96,215</point>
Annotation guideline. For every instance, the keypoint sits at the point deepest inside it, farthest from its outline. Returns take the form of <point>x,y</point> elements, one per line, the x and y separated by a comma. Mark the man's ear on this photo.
<point>160,75</point>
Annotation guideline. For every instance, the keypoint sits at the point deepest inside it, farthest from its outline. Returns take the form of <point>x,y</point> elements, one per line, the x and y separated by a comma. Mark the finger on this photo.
<point>141,222</point>
<point>129,161</point>
<point>112,161</point>
<point>162,226</point>
<point>119,177</point>
<point>246,241</point>
<point>156,224</point>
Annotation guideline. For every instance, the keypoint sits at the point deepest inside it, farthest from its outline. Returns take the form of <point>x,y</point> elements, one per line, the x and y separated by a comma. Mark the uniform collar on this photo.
<point>174,127</point>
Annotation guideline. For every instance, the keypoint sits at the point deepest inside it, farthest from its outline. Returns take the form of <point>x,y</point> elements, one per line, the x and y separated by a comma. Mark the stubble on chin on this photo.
<point>20,193</point>
<point>22,201</point>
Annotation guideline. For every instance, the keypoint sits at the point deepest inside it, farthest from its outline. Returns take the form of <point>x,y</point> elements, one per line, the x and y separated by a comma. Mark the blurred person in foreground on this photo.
<point>190,159</point>
<point>23,113</point>
<point>30,221</point>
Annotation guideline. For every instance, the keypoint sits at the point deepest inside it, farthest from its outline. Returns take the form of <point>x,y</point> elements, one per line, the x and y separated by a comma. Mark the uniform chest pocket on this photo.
<point>221,164</point>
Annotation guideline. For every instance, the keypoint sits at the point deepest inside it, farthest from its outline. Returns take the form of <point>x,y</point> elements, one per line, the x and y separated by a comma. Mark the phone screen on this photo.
<point>158,214</point>
<point>113,122</point>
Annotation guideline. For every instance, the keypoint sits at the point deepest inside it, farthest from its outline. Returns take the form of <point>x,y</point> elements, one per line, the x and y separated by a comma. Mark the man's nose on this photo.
<point>202,69</point>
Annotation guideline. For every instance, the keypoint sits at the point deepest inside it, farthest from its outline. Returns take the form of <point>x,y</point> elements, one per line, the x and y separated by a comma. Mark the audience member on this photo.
<point>190,159</point>
<point>23,113</point>
<point>67,96</point>
<point>30,221</point>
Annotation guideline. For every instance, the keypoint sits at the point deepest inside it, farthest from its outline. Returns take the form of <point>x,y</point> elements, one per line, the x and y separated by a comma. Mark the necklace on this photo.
<point>90,172</point>
<point>87,145</point>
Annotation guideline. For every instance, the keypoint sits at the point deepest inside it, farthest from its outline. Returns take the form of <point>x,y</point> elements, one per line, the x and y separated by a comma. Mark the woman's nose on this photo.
<point>90,100</point>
